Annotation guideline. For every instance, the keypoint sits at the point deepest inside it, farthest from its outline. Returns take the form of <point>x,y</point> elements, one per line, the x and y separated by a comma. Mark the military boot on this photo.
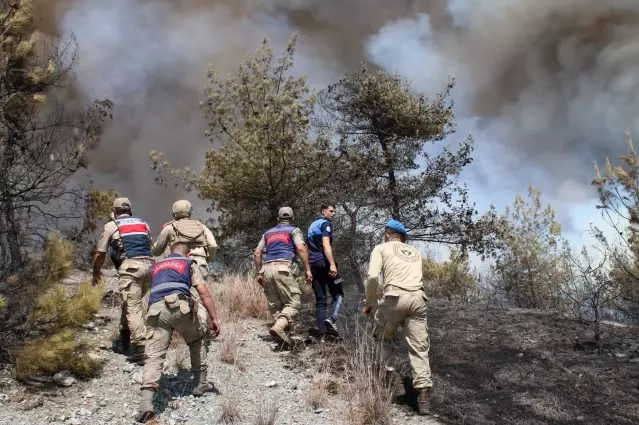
<point>424,401</point>
<point>137,354</point>
<point>145,411</point>
<point>201,384</point>
<point>278,331</point>
<point>124,340</point>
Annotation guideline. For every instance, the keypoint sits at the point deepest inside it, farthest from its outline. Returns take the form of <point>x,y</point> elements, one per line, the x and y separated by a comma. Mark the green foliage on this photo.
<point>385,131</point>
<point>40,307</point>
<point>452,278</point>
<point>54,353</point>
<point>528,262</point>
<point>267,158</point>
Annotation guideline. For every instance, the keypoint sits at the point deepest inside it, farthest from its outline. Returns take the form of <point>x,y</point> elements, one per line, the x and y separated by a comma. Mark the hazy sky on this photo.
<point>544,87</point>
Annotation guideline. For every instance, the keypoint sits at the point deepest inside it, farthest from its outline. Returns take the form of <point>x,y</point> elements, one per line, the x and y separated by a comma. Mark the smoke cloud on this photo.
<point>546,87</point>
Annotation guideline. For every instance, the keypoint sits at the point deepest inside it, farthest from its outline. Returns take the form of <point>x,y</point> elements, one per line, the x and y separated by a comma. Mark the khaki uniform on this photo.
<point>201,254</point>
<point>283,294</point>
<point>134,278</point>
<point>204,246</point>
<point>403,304</point>
<point>165,316</point>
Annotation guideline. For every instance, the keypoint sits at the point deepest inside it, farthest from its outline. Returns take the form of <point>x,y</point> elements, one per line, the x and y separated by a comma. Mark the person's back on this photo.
<point>280,244</point>
<point>401,265</point>
<point>172,308</point>
<point>403,304</point>
<point>194,233</point>
<point>326,279</point>
<point>127,240</point>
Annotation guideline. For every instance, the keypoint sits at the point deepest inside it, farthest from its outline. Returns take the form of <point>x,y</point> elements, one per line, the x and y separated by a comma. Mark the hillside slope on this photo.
<point>255,381</point>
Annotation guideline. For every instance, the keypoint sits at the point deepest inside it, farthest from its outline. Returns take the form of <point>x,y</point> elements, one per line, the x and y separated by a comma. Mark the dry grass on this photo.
<point>230,347</point>
<point>239,297</point>
<point>324,385</point>
<point>266,416</point>
<point>370,394</point>
<point>231,411</point>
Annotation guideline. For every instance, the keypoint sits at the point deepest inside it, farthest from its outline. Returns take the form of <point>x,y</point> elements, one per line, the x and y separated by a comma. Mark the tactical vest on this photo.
<point>279,243</point>
<point>188,231</point>
<point>171,276</point>
<point>133,242</point>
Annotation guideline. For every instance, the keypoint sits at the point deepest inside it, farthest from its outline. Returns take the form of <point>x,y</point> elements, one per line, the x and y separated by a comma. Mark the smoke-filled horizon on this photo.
<point>545,87</point>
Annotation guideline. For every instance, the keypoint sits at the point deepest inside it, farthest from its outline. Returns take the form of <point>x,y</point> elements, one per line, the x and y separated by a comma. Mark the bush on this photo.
<point>41,316</point>
<point>239,296</point>
<point>451,279</point>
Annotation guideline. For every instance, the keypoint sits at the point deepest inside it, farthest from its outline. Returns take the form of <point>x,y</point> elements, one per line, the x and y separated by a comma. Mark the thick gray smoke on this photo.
<point>552,84</point>
<point>549,83</point>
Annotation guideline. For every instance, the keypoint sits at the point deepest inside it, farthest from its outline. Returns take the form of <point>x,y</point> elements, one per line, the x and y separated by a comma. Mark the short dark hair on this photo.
<point>327,206</point>
<point>180,247</point>
<point>123,210</point>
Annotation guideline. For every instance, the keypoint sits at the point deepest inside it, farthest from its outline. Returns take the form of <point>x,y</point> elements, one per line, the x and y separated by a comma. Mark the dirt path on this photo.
<point>260,382</point>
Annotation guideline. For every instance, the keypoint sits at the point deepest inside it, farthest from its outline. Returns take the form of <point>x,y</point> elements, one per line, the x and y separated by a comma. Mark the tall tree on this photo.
<point>267,157</point>
<point>389,132</point>
<point>529,262</point>
<point>42,143</point>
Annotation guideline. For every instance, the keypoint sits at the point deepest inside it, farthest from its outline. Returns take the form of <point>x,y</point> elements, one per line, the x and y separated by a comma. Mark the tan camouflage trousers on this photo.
<point>164,317</point>
<point>282,292</point>
<point>407,309</point>
<point>134,283</point>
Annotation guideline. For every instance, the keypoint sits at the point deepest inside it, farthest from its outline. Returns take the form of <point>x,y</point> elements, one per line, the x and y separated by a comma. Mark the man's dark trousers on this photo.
<point>321,282</point>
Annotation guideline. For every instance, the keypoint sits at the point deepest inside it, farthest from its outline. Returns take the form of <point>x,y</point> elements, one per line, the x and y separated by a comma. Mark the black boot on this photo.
<point>124,342</point>
<point>137,354</point>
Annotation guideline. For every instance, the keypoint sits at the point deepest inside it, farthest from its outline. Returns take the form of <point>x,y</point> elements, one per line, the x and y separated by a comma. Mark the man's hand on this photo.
<point>309,277</point>
<point>215,328</point>
<point>332,270</point>
<point>367,310</point>
<point>259,279</point>
<point>97,277</point>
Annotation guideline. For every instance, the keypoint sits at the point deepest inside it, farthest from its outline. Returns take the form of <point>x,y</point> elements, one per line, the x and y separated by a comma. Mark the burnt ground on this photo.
<point>510,366</point>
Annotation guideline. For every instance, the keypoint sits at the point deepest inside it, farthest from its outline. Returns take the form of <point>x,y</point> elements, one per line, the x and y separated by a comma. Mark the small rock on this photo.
<point>75,421</point>
<point>103,346</point>
<point>271,384</point>
<point>88,394</point>
<point>520,355</point>
<point>137,378</point>
<point>128,368</point>
<point>580,418</point>
<point>64,378</point>
<point>4,398</point>
<point>620,355</point>
<point>103,403</point>
<point>84,412</point>
<point>318,411</point>
<point>31,404</point>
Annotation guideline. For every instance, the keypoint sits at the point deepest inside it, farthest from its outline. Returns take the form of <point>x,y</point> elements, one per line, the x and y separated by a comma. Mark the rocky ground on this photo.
<point>259,385</point>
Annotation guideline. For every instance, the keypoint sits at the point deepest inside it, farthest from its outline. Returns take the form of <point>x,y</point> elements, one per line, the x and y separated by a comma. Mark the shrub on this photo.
<point>41,316</point>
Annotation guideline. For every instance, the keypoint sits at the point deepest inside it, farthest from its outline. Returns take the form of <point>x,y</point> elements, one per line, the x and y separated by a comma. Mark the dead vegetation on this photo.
<point>266,416</point>
<point>239,297</point>
<point>231,411</point>
<point>230,346</point>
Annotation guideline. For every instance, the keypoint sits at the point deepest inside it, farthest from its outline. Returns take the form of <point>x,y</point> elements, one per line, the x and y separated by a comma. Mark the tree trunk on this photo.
<point>359,279</point>
<point>392,179</point>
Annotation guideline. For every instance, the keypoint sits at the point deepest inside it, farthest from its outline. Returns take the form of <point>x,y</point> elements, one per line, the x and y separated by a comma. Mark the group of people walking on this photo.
<point>179,299</point>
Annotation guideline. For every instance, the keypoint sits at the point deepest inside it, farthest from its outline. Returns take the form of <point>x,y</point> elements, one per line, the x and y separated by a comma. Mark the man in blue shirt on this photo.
<point>324,270</point>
